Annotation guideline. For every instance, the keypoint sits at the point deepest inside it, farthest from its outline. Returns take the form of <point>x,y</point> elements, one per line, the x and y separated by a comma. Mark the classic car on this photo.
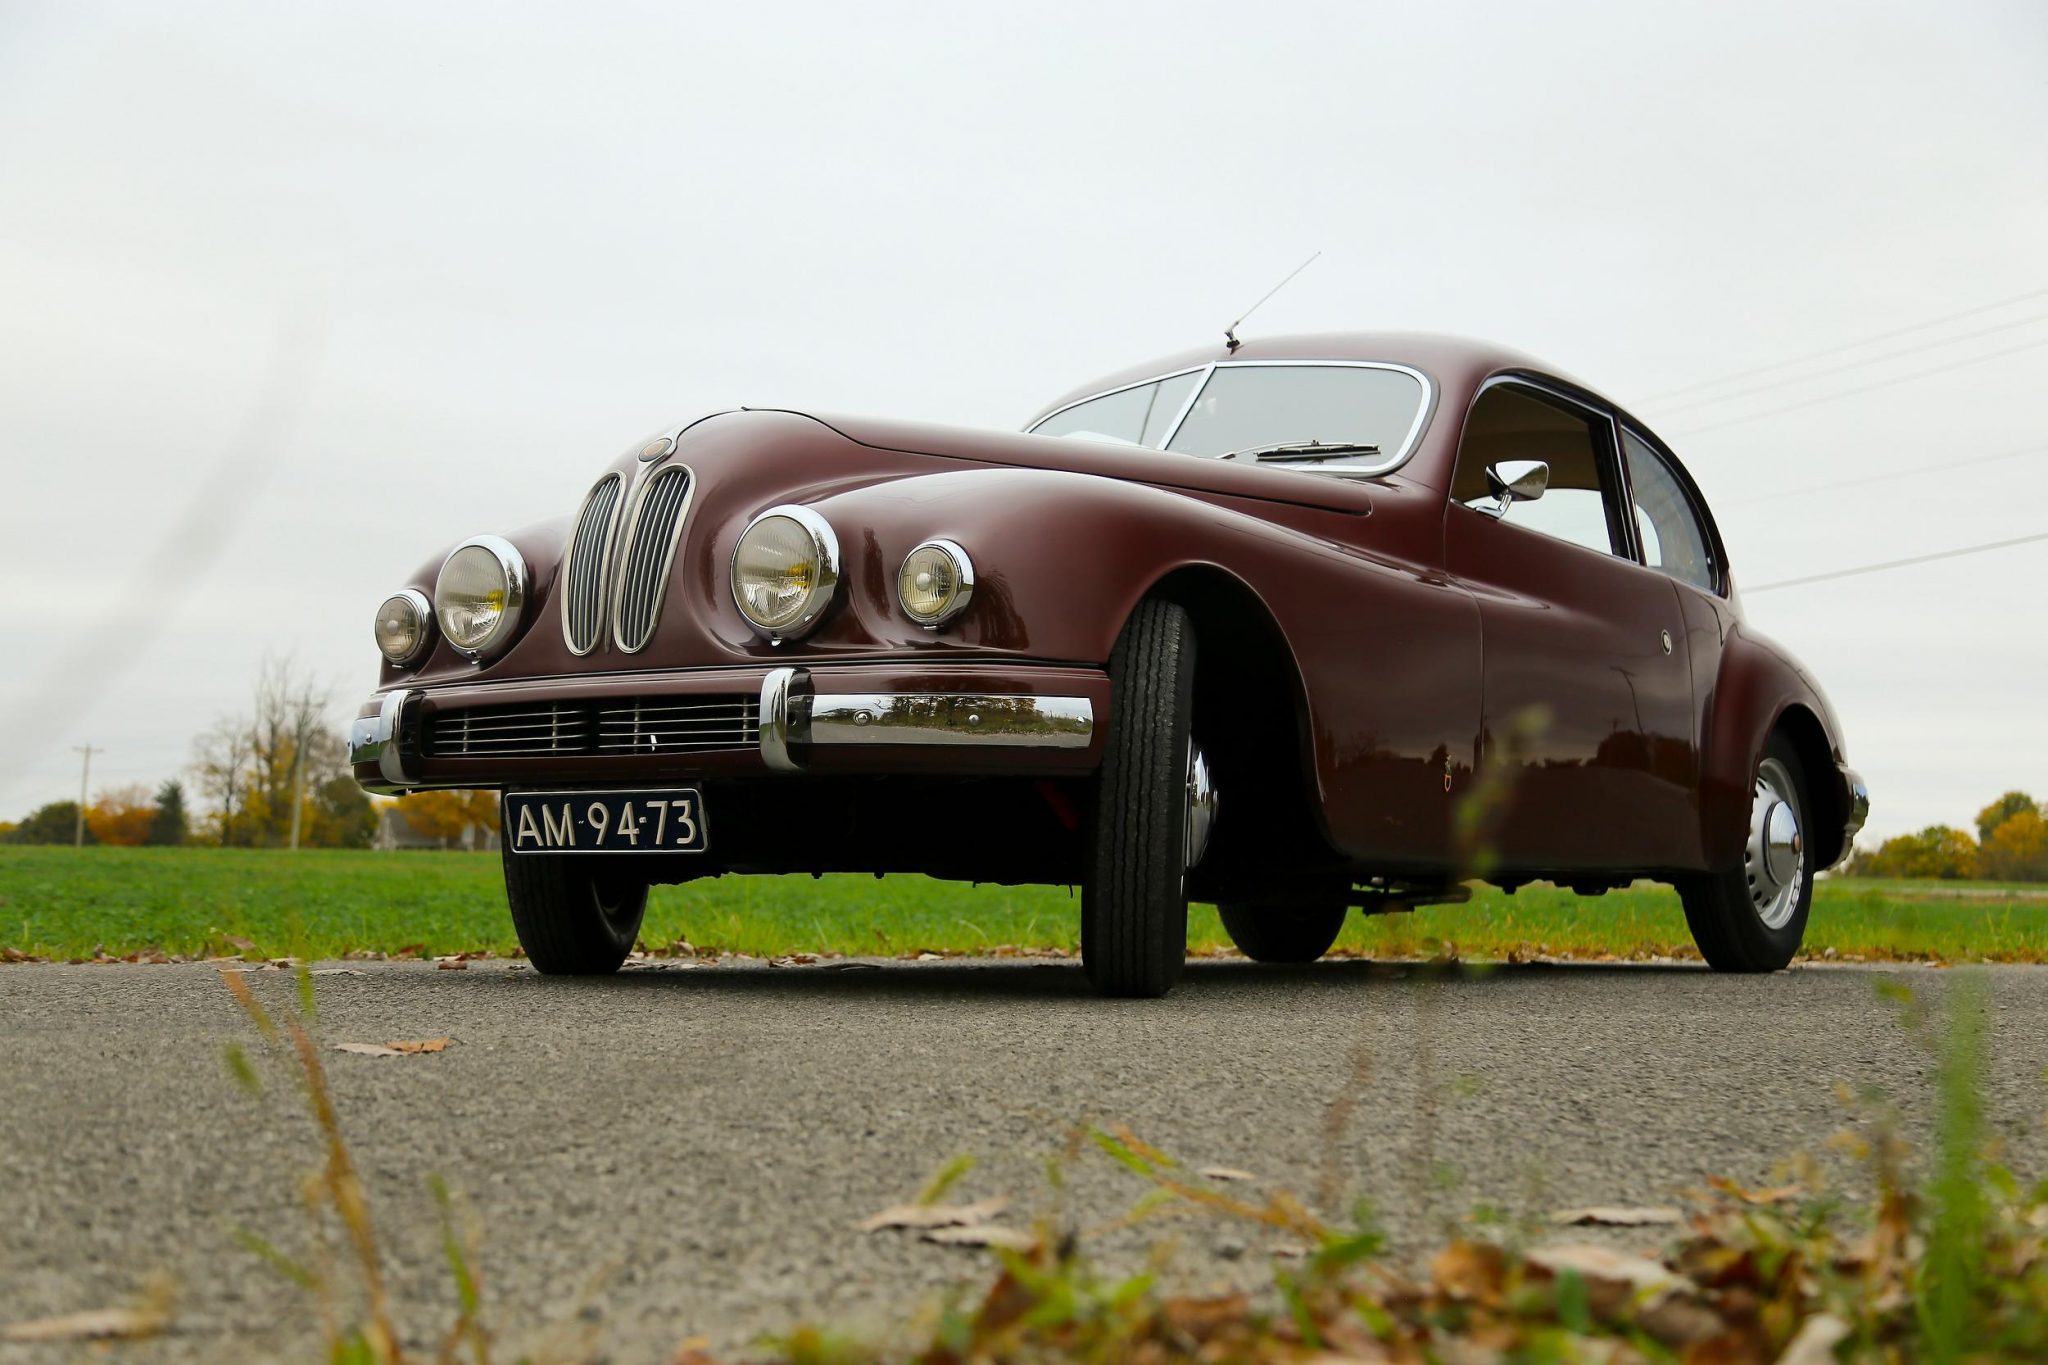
<point>1293,626</point>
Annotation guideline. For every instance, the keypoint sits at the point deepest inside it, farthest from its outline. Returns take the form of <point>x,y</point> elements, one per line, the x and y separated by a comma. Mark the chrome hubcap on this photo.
<point>1774,862</point>
<point>1201,813</point>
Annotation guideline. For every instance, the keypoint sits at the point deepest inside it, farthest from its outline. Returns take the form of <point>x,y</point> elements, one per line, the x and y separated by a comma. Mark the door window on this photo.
<point>1674,542</point>
<point>1580,504</point>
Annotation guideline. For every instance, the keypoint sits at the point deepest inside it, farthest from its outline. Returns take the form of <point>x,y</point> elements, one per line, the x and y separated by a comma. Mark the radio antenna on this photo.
<point>1230,332</point>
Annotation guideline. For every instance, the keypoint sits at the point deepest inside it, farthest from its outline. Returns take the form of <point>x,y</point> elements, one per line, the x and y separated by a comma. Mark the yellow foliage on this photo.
<point>2017,850</point>
<point>121,816</point>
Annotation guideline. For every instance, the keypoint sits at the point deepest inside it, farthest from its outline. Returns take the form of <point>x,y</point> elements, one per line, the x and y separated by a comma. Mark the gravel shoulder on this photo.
<point>707,1138</point>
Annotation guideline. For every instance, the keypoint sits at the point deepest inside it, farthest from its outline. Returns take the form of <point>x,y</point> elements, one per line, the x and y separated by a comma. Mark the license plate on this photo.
<point>605,822</point>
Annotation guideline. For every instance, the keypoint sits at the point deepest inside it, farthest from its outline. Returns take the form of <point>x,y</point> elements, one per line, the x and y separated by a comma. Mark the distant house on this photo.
<point>394,831</point>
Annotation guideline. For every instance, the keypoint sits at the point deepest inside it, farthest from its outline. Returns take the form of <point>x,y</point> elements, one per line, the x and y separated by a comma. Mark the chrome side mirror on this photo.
<point>1513,481</point>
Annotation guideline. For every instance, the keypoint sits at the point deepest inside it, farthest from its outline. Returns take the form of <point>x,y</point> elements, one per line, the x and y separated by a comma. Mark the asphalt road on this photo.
<point>712,1136</point>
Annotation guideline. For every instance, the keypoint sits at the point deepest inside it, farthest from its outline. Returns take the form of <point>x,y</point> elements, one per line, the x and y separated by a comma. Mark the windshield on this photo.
<point>1374,411</point>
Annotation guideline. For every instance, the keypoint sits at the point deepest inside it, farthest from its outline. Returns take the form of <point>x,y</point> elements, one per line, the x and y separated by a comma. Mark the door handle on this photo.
<point>1664,638</point>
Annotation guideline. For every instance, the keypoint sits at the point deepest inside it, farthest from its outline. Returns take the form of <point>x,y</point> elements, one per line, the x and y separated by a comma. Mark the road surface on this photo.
<point>711,1136</point>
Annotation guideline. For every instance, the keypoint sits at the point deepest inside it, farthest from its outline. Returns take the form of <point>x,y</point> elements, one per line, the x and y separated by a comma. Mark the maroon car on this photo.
<point>1293,626</point>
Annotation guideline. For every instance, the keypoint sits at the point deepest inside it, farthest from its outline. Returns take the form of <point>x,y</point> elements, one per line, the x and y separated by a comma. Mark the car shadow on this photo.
<point>1063,979</point>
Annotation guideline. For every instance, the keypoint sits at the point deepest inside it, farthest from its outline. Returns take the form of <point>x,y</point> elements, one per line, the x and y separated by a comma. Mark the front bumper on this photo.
<point>851,718</point>
<point>1855,804</point>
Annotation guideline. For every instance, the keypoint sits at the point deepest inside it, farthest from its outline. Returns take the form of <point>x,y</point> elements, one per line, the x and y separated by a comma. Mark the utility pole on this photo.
<point>298,783</point>
<point>84,778</point>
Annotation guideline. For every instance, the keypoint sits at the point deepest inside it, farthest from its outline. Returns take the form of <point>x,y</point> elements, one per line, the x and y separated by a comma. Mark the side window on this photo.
<point>1135,416</point>
<point>1581,504</point>
<point>1674,542</point>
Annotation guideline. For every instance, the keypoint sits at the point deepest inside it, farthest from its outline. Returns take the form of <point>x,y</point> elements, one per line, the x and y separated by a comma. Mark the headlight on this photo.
<point>784,570</point>
<point>936,582</point>
<point>402,626</point>
<point>479,593</point>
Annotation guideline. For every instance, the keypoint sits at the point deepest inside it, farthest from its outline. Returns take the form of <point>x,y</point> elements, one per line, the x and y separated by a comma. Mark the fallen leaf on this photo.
<point>1612,1216</point>
<point>1607,1266</point>
<point>1227,1173</point>
<point>12,955</point>
<point>368,1049</point>
<point>793,960</point>
<point>1776,1194</point>
<point>935,1215</point>
<point>423,1045</point>
<point>93,1324</point>
<point>452,964</point>
<point>1815,1341</point>
<point>982,1235</point>
<point>1470,1270</point>
<point>237,941</point>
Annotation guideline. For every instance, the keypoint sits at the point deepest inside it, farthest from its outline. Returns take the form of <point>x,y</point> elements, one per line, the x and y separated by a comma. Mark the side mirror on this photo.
<point>1513,481</point>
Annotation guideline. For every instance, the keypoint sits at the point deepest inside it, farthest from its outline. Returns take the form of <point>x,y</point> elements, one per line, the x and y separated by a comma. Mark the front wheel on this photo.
<point>1282,932</point>
<point>572,918</point>
<point>1152,811</point>
<point>1752,917</point>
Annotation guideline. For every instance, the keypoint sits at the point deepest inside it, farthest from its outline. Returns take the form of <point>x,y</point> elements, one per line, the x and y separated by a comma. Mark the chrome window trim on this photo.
<point>1423,409</point>
<point>605,546</point>
<point>824,540</point>
<point>624,556</point>
<point>1710,531</point>
<point>1596,414</point>
<point>513,565</point>
<point>430,625</point>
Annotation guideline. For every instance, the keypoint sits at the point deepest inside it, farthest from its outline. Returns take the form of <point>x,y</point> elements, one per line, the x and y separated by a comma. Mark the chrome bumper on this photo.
<point>374,739</point>
<point>1856,801</point>
<point>792,715</point>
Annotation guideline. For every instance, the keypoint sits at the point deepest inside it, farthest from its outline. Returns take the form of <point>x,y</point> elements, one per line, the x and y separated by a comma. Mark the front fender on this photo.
<point>1761,689</point>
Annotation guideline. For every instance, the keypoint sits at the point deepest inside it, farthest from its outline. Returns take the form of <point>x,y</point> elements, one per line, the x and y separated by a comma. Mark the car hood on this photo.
<point>1107,460</point>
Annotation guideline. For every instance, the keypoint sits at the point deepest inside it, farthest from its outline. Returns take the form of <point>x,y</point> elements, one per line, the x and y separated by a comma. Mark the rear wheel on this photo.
<point>1751,917</point>
<point>1282,932</point>
<point>572,918</point>
<point>1152,811</point>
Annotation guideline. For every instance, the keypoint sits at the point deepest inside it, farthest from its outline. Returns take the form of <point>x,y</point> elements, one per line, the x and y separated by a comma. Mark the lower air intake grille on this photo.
<point>626,725</point>
<point>583,576</point>
<point>643,572</point>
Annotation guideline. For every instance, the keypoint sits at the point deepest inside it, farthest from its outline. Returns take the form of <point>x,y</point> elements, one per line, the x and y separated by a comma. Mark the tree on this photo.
<point>55,823</point>
<point>169,826</point>
<point>121,816</point>
<point>2017,850</point>
<point>437,815</point>
<point>271,773</point>
<point>1937,851</point>
<point>2001,810</point>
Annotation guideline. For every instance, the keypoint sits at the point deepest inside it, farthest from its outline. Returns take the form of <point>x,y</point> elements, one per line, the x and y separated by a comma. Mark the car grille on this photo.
<point>644,572</point>
<point>583,577</point>
<point>628,725</point>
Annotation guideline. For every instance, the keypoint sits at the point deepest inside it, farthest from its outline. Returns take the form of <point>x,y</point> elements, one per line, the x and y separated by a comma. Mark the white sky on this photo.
<point>502,242</point>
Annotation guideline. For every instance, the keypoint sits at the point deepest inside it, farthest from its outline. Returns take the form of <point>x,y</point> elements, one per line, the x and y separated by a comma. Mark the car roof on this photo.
<point>1446,359</point>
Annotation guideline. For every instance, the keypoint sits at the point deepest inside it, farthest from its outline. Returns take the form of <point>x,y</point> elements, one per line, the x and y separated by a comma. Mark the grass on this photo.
<point>68,903</point>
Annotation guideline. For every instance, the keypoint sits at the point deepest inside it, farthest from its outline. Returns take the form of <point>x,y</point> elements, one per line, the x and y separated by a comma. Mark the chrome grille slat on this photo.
<point>643,725</point>
<point>650,546</point>
<point>583,576</point>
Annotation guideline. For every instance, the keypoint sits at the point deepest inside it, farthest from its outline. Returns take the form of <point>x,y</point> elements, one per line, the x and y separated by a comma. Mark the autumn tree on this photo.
<point>280,771</point>
<point>446,815</point>
<point>2017,850</point>
<point>121,816</point>
<point>55,823</point>
<point>2001,810</point>
<point>1937,851</point>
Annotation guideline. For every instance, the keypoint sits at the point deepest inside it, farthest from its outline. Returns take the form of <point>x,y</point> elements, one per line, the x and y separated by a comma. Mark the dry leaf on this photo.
<point>368,1049</point>
<point>935,1215</point>
<point>1227,1173</point>
<point>984,1235</point>
<point>1470,1270</point>
<point>1611,1216</point>
<point>1776,1194</point>
<point>12,955</point>
<point>1605,1265</point>
<point>423,1045</point>
<point>452,964</point>
<point>94,1324</point>
<point>237,941</point>
<point>1815,1342</point>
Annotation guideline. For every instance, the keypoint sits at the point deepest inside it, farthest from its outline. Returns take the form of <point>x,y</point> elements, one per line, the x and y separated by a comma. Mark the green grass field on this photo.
<point>67,903</point>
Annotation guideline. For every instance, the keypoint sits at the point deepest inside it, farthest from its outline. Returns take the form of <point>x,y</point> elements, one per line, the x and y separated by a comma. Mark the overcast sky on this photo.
<point>390,275</point>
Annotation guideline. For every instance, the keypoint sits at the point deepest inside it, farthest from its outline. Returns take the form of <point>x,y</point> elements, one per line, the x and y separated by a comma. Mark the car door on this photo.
<point>1588,721</point>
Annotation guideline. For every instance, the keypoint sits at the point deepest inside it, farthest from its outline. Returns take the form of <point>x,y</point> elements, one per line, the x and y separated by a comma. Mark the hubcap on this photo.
<point>1774,862</point>
<point>1201,814</point>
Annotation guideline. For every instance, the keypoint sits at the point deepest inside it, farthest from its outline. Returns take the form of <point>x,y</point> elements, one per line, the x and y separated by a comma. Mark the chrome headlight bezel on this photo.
<point>963,576</point>
<point>513,572</point>
<point>825,577</point>
<point>423,611</point>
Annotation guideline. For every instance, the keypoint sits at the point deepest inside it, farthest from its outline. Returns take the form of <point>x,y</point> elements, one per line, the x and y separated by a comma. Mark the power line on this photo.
<point>1860,479</point>
<point>1898,563</point>
<point>1826,351</point>
<point>1864,388</point>
<point>1857,364</point>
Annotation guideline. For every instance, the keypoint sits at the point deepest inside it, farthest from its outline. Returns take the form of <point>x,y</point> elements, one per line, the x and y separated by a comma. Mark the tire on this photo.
<point>1282,932</point>
<point>1134,906</point>
<point>1751,917</point>
<point>571,919</point>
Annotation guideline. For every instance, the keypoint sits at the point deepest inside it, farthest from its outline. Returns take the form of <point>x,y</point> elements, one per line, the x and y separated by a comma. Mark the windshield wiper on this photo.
<point>1295,452</point>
